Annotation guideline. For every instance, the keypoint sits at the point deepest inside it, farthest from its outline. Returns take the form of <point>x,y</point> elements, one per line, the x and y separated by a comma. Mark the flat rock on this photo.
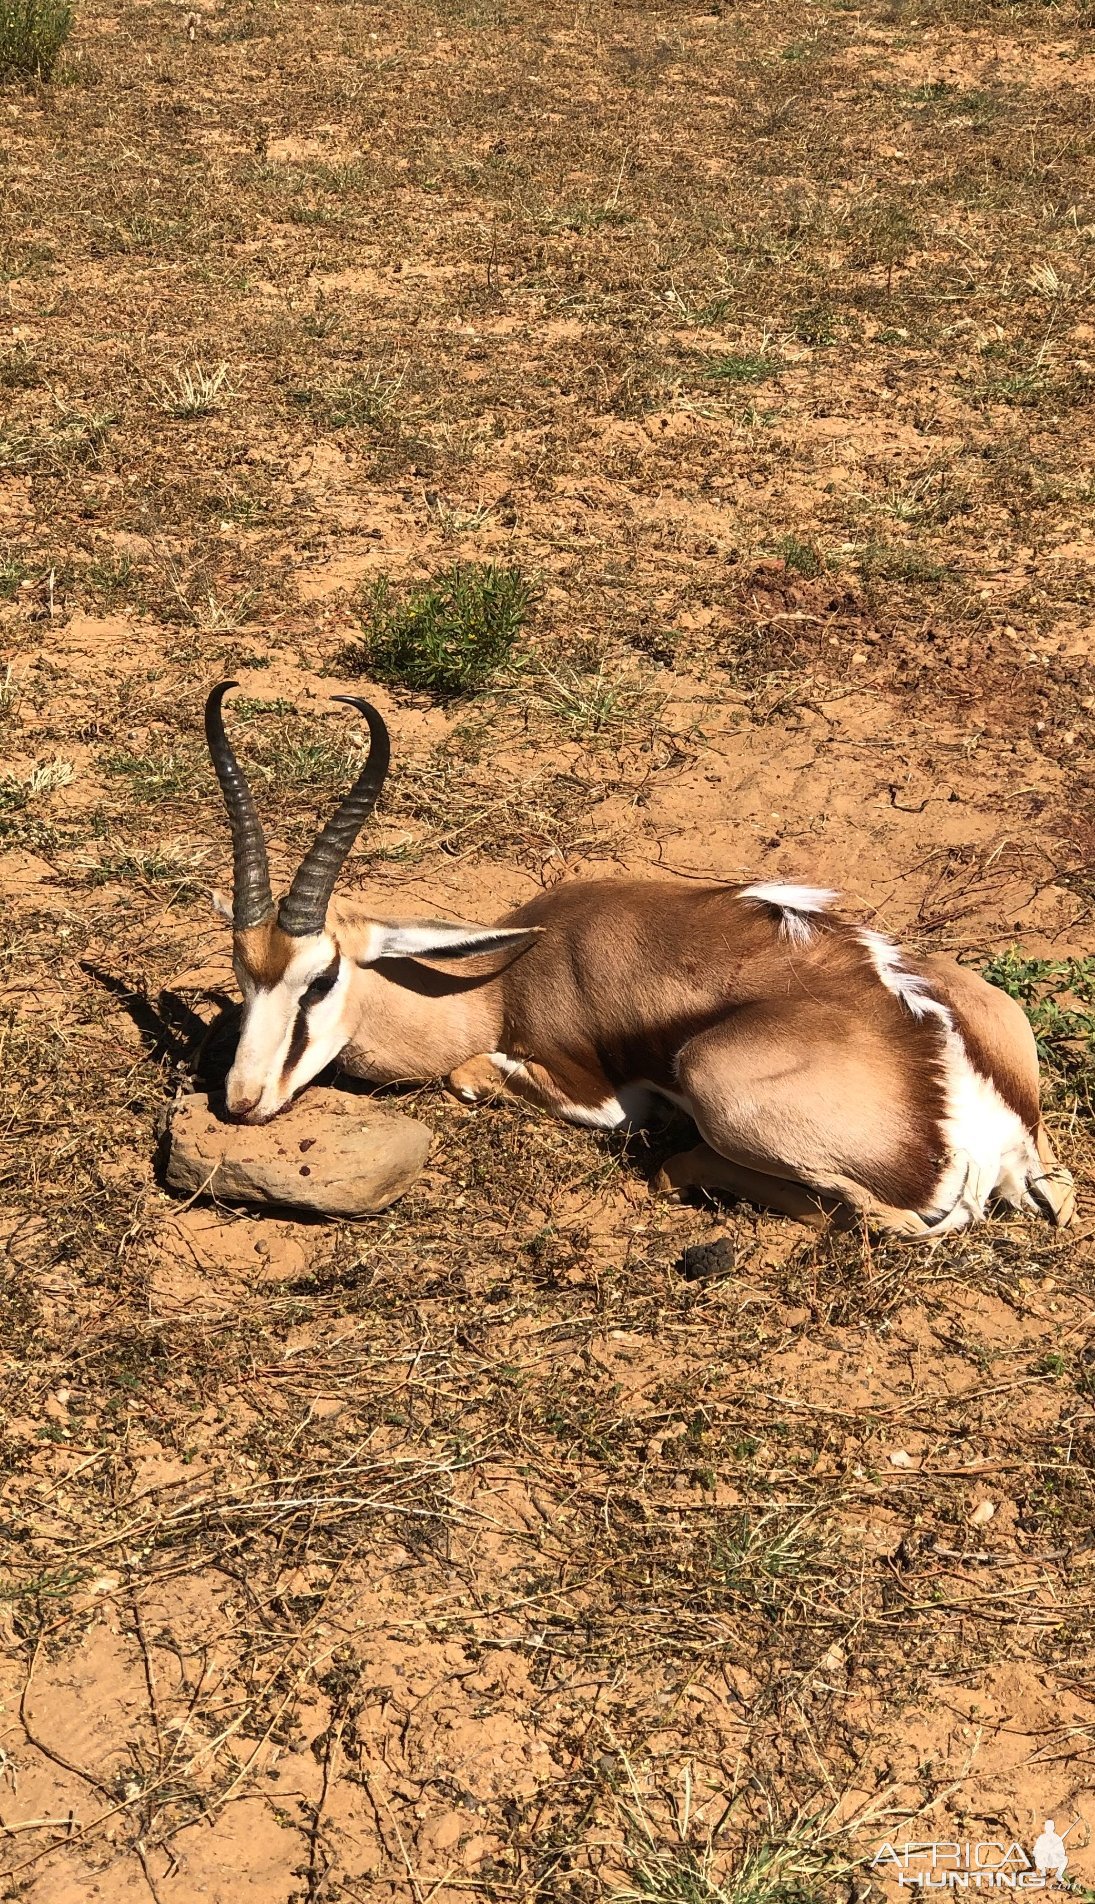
<point>328,1153</point>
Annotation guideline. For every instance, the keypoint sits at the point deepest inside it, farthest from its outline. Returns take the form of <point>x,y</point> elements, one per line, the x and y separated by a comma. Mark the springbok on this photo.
<point>829,1074</point>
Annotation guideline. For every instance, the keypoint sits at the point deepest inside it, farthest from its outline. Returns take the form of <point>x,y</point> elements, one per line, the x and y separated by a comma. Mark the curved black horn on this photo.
<point>304,908</point>
<point>252,900</point>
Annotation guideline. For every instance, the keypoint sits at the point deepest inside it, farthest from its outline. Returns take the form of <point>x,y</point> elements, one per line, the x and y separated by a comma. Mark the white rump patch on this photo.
<point>795,904</point>
<point>990,1151</point>
<point>910,987</point>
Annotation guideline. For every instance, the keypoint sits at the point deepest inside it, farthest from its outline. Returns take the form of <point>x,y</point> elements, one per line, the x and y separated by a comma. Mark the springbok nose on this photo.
<point>240,1107</point>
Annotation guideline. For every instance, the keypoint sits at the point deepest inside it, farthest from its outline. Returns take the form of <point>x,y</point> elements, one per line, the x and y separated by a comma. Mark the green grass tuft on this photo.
<point>815,325</point>
<point>165,774</point>
<point>895,562</point>
<point>594,704</point>
<point>742,367</point>
<point>804,557</point>
<point>32,33</point>
<point>448,636</point>
<point>1058,996</point>
<point>805,1862</point>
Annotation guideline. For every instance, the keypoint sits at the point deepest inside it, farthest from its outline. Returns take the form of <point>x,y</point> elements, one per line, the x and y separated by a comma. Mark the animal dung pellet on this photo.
<point>701,1260</point>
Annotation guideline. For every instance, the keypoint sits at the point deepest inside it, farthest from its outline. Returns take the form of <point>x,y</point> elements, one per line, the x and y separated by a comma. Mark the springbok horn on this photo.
<point>252,900</point>
<point>304,908</point>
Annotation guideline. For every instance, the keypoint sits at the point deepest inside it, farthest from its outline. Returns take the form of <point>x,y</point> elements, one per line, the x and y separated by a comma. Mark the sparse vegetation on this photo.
<point>815,324</point>
<point>803,1864</point>
<point>194,391</point>
<point>805,558</point>
<point>882,232</point>
<point>742,367</point>
<point>36,783</point>
<point>32,34</point>
<point>449,636</point>
<point>114,579</point>
<point>1058,996</point>
<point>896,562</point>
<point>68,440</point>
<point>594,703</point>
<point>364,400</point>
<point>155,777</point>
<point>472,1553</point>
<point>20,370</point>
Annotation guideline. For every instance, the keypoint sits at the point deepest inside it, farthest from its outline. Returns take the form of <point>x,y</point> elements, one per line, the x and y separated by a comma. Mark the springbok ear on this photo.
<point>222,906</point>
<point>438,939</point>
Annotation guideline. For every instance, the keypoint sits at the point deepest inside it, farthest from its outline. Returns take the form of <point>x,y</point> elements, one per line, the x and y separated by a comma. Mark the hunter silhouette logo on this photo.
<point>1050,1855</point>
<point>979,1864</point>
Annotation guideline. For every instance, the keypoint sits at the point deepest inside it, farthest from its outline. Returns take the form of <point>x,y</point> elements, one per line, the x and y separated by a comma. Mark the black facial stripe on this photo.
<point>298,1043</point>
<point>320,985</point>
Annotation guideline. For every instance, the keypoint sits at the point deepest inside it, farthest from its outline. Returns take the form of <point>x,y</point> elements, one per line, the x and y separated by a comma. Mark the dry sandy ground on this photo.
<point>471,1550</point>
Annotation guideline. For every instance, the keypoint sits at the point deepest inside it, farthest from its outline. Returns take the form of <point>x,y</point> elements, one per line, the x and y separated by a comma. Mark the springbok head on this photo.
<point>302,993</point>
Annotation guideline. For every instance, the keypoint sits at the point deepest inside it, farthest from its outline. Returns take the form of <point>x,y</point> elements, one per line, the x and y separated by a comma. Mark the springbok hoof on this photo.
<point>475,1080</point>
<point>1055,1193</point>
<point>673,1179</point>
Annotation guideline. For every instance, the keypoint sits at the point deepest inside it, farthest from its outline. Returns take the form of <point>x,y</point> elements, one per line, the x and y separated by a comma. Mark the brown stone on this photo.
<point>360,1157</point>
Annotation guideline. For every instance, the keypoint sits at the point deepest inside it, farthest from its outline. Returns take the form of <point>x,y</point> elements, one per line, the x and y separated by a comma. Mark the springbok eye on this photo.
<point>319,987</point>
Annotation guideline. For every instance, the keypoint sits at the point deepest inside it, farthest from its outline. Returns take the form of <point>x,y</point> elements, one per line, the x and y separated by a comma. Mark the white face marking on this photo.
<point>290,1029</point>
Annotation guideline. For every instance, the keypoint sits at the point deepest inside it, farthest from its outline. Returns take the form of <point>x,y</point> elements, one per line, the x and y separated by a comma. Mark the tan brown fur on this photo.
<point>419,1018</point>
<point>996,1033</point>
<point>808,1076</point>
<point>651,991</point>
<point>263,952</point>
<point>706,1169</point>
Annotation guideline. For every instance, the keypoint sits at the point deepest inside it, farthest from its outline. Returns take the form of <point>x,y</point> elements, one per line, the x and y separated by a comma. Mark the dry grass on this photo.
<point>472,1551</point>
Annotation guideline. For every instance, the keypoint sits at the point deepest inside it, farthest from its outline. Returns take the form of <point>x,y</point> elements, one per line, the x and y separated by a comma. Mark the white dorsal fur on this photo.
<point>795,905</point>
<point>913,990</point>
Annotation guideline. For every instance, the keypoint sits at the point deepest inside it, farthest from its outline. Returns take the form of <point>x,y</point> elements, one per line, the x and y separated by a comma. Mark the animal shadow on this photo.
<point>174,1031</point>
